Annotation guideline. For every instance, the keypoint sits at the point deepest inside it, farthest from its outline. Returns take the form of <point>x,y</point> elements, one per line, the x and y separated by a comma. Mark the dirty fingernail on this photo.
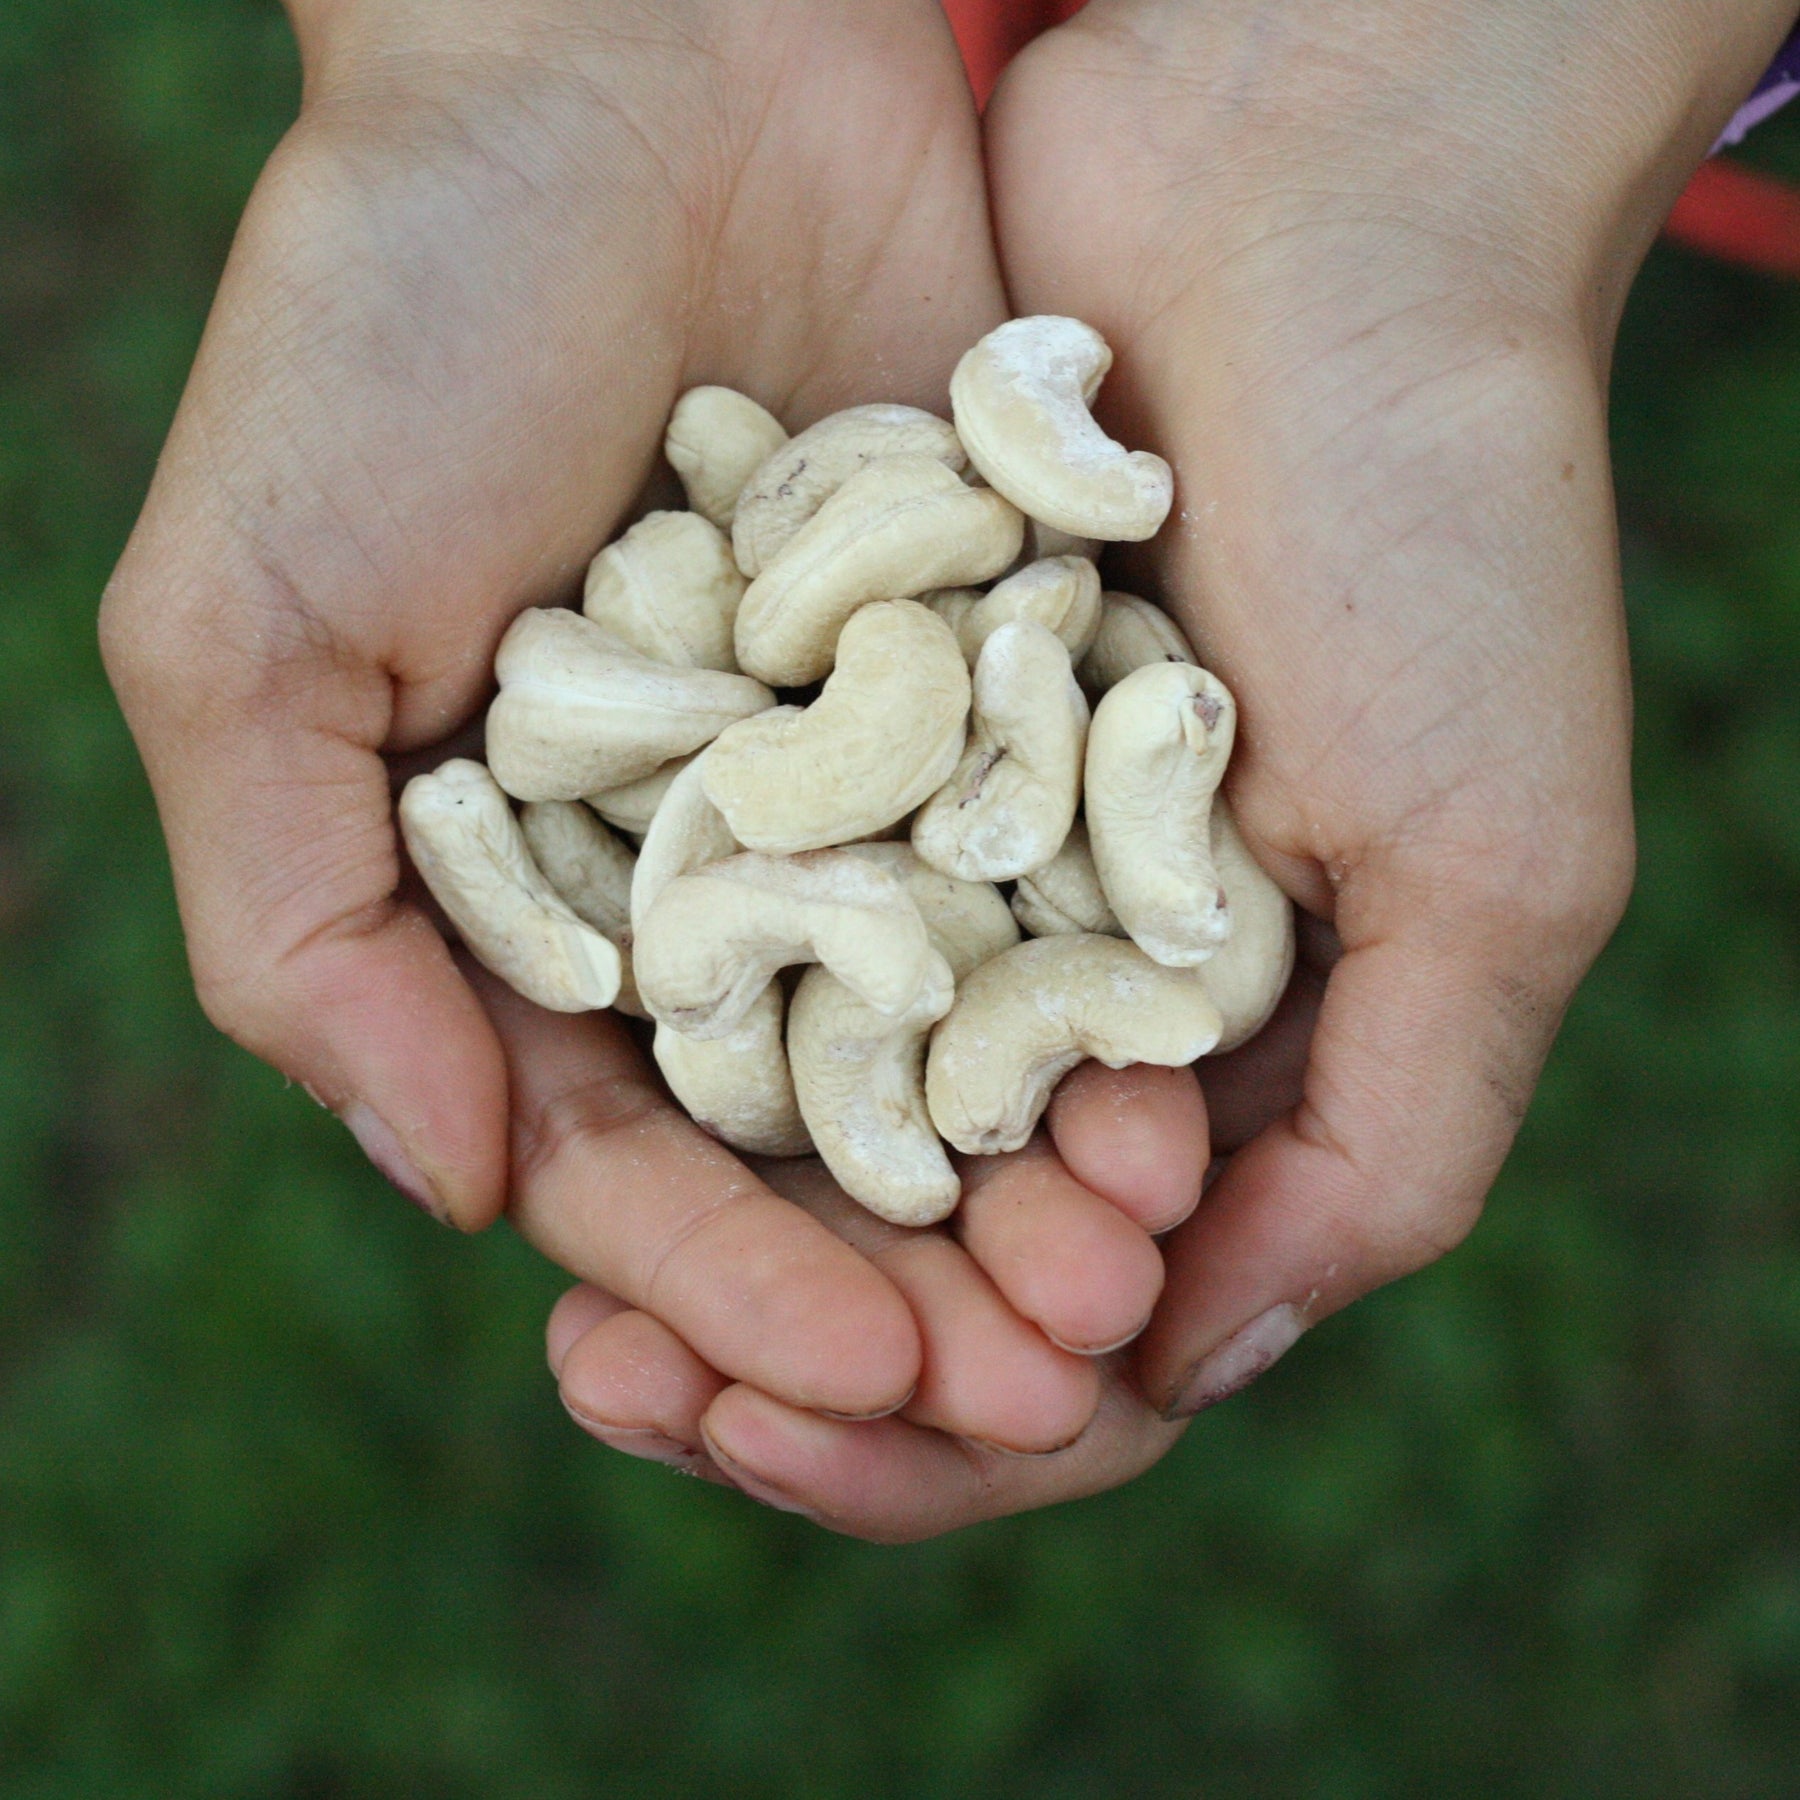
<point>1239,1360</point>
<point>382,1148</point>
<point>754,1485</point>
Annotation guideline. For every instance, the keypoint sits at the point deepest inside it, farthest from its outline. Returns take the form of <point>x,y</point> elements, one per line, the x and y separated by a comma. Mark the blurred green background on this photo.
<point>287,1504</point>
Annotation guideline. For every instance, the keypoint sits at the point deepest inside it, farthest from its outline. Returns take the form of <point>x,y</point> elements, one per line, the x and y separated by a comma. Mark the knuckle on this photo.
<point>579,1127</point>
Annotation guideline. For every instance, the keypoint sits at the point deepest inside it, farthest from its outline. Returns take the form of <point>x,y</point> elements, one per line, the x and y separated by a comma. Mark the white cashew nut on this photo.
<point>1021,399</point>
<point>905,525</point>
<point>469,849</point>
<point>633,806</point>
<point>800,475</point>
<point>580,712</point>
<point>1065,896</point>
<point>716,440</point>
<point>738,1087</point>
<point>670,589</point>
<point>1061,593</point>
<point>592,872</point>
<point>1008,807</point>
<point>1024,1020</point>
<point>687,833</point>
<point>885,731</point>
<point>1156,752</point>
<point>1043,541</point>
<point>1132,634</point>
<point>1249,973</point>
<point>711,941</point>
<point>968,921</point>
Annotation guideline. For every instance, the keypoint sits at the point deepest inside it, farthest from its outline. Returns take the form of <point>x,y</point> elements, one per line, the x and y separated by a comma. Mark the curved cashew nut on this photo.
<point>1249,973</point>
<point>711,942</point>
<point>687,833</point>
<point>670,589</point>
<point>1024,1020</point>
<point>1043,541</point>
<point>1021,398</point>
<point>799,476</point>
<point>633,806</point>
<point>905,525</point>
<point>1065,896</point>
<point>469,849</point>
<point>1061,593</point>
<point>716,440</point>
<point>580,712</point>
<point>738,1087</point>
<point>1132,634</point>
<point>968,922</point>
<point>1156,752</point>
<point>1010,803</point>
<point>885,731</point>
<point>592,871</point>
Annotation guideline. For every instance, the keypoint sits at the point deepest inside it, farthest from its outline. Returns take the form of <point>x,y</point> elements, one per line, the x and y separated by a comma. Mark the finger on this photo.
<point>1424,1057</point>
<point>988,1374</point>
<point>1063,1257</point>
<point>613,1184</point>
<point>895,1482</point>
<point>1137,1137</point>
<point>573,1316</point>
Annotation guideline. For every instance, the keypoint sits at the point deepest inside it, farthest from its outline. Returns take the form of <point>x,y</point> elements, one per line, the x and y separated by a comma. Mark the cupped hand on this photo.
<point>496,246</point>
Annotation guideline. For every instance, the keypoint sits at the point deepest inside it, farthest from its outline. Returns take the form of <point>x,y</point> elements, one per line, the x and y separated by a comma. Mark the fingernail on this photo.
<point>887,1412</point>
<point>382,1148</point>
<point>754,1485</point>
<point>1238,1361</point>
<point>1091,1350</point>
<point>642,1441</point>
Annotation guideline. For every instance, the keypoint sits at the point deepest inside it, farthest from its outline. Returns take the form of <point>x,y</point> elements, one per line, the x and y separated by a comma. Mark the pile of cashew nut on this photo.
<point>987,716</point>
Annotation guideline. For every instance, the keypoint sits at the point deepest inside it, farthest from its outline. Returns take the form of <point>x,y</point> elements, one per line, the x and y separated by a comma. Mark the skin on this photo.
<point>1374,254</point>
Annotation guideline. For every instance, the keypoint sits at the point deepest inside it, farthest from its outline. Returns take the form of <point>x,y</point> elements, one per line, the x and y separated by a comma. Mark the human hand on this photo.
<point>496,246</point>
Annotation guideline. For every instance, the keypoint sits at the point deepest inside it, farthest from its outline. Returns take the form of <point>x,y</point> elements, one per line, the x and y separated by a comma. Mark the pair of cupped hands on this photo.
<point>1361,265</point>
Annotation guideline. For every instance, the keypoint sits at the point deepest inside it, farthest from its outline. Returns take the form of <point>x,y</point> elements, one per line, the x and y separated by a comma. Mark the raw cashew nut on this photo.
<point>1132,635</point>
<point>580,712</point>
<point>1061,593</point>
<point>1249,973</point>
<point>738,1087</point>
<point>592,871</point>
<point>1009,805</point>
<point>885,732</point>
<point>1022,1021</point>
<point>469,849</point>
<point>711,942</point>
<point>670,589</point>
<point>687,833</point>
<point>968,921</point>
<point>905,525</point>
<point>860,1079</point>
<point>1156,752</point>
<point>1065,895</point>
<point>1043,540</point>
<point>1021,398</point>
<point>717,439</point>
<point>633,806</point>
<point>799,476</point>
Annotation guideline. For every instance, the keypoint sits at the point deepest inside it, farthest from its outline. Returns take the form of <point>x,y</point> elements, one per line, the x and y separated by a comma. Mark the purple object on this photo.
<point>1771,94</point>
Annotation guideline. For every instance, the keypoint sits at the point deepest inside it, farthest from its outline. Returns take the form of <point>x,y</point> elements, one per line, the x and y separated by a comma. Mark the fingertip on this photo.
<point>1137,1137</point>
<point>629,1373</point>
<point>573,1317</point>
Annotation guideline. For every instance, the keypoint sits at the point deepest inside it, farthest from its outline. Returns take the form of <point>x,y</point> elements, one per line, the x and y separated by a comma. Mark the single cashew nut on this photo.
<point>670,589</point>
<point>885,731</point>
<point>711,941</point>
<point>716,440</point>
<point>579,711</point>
<point>633,806</point>
<point>968,922</point>
<point>1022,1021</point>
<point>1061,593</point>
<point>592,872</point>
<point>799,476</point>
<point>1249,973</point>
<point>1157,750</point>
<point>738,1087</point>
<point>1021,397</point>
<point>468,848</point>
<point>1043,541</point>
<point>860,1079</point>
<point>905,525</point>
<point>1065,896</point>
<point>1132,634</point>
<point>1009,805</point>
<point>687,833</point>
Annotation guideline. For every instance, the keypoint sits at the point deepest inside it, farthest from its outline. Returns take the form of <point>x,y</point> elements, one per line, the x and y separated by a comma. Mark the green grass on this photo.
<point>287,1505</point>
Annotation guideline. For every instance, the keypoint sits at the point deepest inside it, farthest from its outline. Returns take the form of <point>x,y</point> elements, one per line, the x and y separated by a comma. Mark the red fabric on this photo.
<point>1727,211</point>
